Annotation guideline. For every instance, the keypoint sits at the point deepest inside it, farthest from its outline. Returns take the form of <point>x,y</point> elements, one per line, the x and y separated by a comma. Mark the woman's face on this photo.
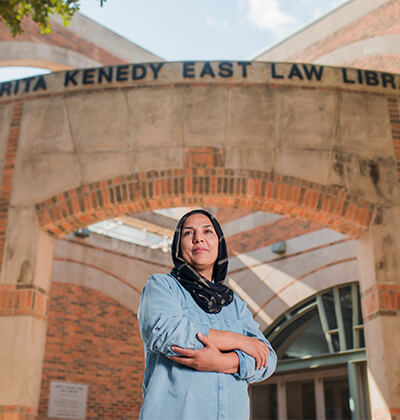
<point>199,244</point>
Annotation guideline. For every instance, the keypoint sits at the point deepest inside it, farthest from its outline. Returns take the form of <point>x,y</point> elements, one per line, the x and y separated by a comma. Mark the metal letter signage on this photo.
<point>257,72</point>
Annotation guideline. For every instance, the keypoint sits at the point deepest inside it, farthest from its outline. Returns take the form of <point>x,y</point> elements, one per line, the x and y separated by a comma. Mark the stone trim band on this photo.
<point>25,299</point>
<point>381,299</point>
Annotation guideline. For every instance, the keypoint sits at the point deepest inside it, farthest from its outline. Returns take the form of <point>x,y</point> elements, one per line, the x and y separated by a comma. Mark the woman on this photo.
<point>202,345</point>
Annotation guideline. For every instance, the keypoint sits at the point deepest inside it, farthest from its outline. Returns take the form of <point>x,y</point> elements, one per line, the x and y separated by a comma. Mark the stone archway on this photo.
<point>84,43</point>
<point>86,145</point>
<point>207,187</point>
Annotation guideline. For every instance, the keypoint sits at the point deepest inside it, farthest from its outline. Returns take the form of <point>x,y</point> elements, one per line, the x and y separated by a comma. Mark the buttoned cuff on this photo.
<point>242,372</point>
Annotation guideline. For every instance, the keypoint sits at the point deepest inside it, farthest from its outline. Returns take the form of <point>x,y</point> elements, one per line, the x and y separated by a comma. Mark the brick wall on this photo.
<point>93,340</point>
<point>382,21</point>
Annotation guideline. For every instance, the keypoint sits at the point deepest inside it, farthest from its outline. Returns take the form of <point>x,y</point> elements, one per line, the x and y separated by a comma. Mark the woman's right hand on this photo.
<point>228,341</point>
<point>208,359</point>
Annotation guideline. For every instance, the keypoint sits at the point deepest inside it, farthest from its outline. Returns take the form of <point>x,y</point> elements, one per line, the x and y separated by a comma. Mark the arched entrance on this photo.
<point>86,145</point>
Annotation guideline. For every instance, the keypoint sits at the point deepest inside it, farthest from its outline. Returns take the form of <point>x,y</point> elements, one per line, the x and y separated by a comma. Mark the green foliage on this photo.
<point>12,12</point>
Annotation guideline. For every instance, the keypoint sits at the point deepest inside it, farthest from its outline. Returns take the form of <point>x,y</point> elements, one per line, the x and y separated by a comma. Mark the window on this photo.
<point>322,363</point>
<point>329,322</point>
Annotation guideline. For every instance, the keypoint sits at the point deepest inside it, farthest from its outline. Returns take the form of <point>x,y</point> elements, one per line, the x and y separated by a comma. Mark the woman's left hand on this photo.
<point>207,359</point>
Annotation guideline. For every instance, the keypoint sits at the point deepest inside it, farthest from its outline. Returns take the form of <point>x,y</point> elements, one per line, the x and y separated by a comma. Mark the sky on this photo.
<point>178,30</point>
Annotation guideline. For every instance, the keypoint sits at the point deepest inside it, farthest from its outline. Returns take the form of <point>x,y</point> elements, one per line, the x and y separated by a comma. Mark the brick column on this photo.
<point>25,261</point>
<point>24,285</point>
<point>379,258</point>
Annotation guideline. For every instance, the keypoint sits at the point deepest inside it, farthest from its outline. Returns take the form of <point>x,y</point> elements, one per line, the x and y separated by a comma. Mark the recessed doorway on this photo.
<point>314,395</point>
<point>322,368</point>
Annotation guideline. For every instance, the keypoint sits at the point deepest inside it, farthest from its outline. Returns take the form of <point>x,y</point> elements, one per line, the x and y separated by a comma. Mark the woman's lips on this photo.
<point>200,250</point>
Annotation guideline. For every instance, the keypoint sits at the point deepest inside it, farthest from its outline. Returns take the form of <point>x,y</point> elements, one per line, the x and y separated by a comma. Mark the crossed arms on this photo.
<point>218,355</point>
<point>165,329</point>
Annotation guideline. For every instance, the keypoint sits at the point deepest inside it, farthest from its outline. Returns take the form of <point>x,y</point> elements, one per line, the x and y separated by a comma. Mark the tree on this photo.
<point>12,12</point>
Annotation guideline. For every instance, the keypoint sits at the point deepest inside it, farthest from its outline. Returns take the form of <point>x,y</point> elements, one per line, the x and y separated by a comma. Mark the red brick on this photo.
<point>105,351</point>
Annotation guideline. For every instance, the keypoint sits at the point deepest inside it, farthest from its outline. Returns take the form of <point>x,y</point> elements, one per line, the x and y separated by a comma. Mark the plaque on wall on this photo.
<point>67,400</point>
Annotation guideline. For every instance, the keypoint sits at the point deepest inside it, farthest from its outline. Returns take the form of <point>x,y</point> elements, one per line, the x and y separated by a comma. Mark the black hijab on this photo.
<point>210,296</point>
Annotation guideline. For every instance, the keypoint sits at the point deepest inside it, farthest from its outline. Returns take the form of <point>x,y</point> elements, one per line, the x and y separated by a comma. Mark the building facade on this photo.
<point>299,161</point>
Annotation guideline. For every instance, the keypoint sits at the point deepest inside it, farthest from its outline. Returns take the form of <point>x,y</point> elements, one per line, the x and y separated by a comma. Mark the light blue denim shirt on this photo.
<point>169,316</point>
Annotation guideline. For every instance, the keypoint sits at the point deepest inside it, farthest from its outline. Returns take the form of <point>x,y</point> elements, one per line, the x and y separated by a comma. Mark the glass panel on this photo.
<point>329,306</point>
<point>303,337</point>
<point>308,340</point>
<point>336,393</point>
<point>300,399</point>
<point>263,400</point>
<point>124,232</point>
<point>360,319</point>
<point>345,296</point>
<point>362,340</point>
<point>335,342</point>
<point>289,333</point>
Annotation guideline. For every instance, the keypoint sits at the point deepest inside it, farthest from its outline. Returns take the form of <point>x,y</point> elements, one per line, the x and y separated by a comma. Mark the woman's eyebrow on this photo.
<point>191,227</point>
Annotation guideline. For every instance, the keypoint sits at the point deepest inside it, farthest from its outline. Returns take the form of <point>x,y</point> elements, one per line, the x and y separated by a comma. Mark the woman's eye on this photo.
<point>187,232</point>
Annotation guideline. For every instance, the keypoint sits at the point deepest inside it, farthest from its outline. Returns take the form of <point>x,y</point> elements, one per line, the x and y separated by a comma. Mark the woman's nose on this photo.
<point>197,237</point>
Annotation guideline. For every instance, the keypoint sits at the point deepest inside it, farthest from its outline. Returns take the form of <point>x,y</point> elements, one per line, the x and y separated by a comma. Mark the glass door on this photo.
<point>300,400</point>
<point>336,396</point>
<point>312,395</point>
<point>264,403</point>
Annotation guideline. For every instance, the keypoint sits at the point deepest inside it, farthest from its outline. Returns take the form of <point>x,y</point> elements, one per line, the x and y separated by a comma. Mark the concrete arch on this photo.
<point>272,286</point>
<point>51,57</point>
<point>116,287</point>
<point>84,145</point>
<point>338,21</point>
<point>388,62</point>
<point>302,291</point>
<point>99,264</point>
<point>83,43</point>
